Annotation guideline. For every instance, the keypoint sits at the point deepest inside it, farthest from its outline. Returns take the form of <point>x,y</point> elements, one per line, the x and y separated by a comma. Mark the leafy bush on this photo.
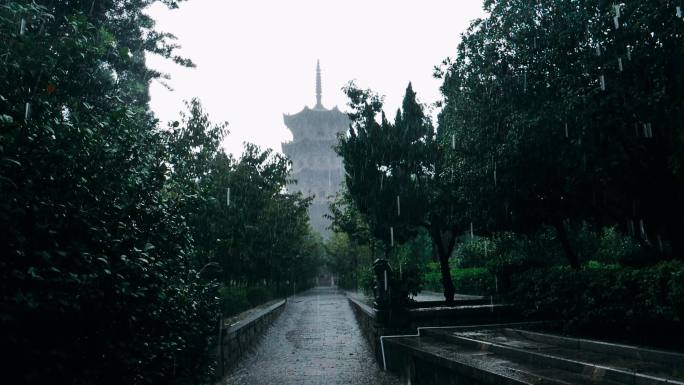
<point>366,280</point>
<point>474,253</point>
<point>476,280</point>
<point>256,295</point>
<point>236,299</point>
<point>643,305</point>
<point>233,300</point>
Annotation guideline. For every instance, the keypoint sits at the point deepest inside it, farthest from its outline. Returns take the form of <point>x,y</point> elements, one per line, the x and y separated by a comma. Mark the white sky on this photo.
<point>256,59</point>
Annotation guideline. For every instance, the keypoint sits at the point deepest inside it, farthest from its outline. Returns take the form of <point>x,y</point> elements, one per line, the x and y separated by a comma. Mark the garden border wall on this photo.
<point>241,336</point>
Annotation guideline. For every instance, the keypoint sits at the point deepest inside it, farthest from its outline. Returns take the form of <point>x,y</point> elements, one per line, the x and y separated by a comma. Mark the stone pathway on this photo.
<point>317,341</point>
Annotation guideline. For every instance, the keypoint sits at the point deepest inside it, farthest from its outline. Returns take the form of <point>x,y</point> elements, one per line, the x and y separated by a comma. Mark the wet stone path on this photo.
<point>316,340</point>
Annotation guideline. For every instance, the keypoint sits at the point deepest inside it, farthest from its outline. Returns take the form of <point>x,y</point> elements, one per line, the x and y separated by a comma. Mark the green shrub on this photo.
<point>256,295</point>
<point>642,305</point>
<point>233,299</point>
<point>236,299</point>
<point>475,280</point>
<point>366,280</point>
<point>474,253</point>
<point>432,278</point>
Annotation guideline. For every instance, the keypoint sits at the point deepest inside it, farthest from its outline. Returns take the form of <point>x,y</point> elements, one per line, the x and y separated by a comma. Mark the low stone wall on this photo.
<point>372,327</point>
<point>366,317</point>
<point>239,337</point>
<point>373,324</point>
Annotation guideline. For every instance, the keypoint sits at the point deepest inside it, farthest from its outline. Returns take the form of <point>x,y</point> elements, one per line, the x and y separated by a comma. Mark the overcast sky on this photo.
<point>256,59</point>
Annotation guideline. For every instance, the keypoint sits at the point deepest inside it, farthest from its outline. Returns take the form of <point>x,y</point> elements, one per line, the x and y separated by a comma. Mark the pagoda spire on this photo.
<point>318,84</point>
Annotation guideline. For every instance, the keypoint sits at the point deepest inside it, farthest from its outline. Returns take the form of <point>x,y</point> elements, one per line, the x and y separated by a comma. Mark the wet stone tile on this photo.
<point>316,340</point>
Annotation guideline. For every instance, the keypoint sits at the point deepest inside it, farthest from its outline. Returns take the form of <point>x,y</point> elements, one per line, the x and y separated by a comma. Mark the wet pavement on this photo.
<point>316,340</point>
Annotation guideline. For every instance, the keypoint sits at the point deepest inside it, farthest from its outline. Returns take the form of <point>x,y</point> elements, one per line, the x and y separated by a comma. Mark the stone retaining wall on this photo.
<point>239,337</point>
<point>371,325</point>
<point>366,318</point>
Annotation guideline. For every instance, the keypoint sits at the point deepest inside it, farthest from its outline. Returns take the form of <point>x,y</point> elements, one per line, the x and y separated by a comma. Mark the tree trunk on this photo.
<point>443,253</point>
<point>449,289</point>
<point>565,242</point>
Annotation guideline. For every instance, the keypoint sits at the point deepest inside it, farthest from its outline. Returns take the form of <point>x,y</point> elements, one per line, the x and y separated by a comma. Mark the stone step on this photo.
<point>620,363</point>
<point>437,361</point>
<point>506,355</point>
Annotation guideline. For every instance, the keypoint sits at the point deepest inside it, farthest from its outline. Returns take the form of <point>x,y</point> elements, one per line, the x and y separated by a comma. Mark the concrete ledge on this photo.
<point>240,336</point>
<point>505,354</point>
<point>626,351</point>
<point>366,318</point>
<point>369,311</point>
<point>550,360</point>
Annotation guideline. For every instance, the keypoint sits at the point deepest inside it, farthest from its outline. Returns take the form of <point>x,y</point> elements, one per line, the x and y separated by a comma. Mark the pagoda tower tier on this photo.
<point>316,168</point>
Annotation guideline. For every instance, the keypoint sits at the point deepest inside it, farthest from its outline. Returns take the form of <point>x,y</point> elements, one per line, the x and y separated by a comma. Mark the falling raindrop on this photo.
<point>617,10</point>
<point>616,21</point>
<point>392,236</point>
<point>385,280</point>
<point>598,50</point>
<point>642,229</point>
<point>630,227</point>
<point>382,176</point>
<point>228,196</point>
<point>648,130</point>
<point>494,174</point>
<point>27,112</point>
<point>679,11</point>
<point>525,80</point>
<point>660,243</point>
<point>22,27</point>
<point>472,234</point>
<point>629,53</point>
<point>566,130</point>
<point>620,64</point>
<point>602,79</point>
<point>453,141</point>
<point>398,207</point>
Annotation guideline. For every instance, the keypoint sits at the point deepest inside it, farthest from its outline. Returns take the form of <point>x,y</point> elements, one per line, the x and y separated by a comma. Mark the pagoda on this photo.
<point>316,167</point>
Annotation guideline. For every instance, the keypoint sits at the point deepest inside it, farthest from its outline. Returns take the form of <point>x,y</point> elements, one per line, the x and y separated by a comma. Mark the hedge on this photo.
<point>644,306</point>
<point>474,280</point>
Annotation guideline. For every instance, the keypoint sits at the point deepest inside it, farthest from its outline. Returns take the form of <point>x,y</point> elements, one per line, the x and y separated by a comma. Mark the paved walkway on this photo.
<point>317,341</point>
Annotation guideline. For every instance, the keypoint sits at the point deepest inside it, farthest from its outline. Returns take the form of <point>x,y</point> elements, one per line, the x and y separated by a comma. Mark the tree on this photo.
<point>90,241</point>
<point>551,106</point>
<point>395,177</point>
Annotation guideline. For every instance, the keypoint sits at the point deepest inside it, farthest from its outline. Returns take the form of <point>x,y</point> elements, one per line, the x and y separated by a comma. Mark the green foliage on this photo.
<point>257,295</point>
<point>366,279</point>
<point>91,243</point>
<point>350,262</point>
<point>236,299</point>
<point>472,280</point>
<point>233,300</point>
<point>550,110</point>
<point>644,305</point>
<point>395,178</point>
<point>106,217</point>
